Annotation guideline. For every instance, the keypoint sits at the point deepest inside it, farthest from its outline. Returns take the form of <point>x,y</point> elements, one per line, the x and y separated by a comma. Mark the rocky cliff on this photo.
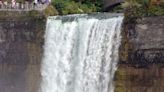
<point>141,67</point>
<point>21,40</point>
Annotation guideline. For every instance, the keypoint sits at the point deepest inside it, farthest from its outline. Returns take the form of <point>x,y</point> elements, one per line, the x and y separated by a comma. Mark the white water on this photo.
<point>80,54</point>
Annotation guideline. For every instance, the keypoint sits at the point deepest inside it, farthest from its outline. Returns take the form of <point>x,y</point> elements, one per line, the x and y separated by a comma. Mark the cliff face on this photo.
<point>20,54</point>
<point>148,40</point>
<point>141,67</point>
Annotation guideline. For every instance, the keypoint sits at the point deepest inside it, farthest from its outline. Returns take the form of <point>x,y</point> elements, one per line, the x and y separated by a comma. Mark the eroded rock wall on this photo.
<point>141,66</point>
<point>21,43</point>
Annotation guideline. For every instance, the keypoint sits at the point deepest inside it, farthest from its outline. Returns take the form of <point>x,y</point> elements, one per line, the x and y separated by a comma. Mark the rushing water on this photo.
<point>81,53</point>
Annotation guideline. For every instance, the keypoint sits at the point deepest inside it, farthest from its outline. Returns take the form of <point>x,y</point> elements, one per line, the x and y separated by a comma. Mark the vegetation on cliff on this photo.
<point>144,8</point>
<point>64,7</point>
<point>77,6</point>
<point>136,10</point>
<point>132,8</point>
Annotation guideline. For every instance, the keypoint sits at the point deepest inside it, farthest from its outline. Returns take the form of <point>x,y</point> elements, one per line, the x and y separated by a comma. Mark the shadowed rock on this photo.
<point>109,4</point>
<point>20,55</point>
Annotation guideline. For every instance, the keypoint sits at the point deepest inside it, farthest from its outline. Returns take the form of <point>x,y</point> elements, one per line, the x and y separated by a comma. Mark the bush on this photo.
<point>73,6</point>
<point>50,11</point>
<point>143,8</point>
<point>59,5</point>
<point>88,9</point>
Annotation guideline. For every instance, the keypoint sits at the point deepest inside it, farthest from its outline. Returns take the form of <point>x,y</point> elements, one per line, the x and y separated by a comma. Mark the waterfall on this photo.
<point>81,53</point>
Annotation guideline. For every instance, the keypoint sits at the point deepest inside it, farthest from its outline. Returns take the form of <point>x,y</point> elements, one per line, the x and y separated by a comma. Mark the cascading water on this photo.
<point>81,53</point>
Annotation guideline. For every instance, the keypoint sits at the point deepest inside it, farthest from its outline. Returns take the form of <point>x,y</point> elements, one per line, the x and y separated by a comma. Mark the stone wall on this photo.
<point>21,43</point>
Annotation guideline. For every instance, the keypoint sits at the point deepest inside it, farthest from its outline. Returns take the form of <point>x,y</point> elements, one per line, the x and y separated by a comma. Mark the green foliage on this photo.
<point>73,7</point>
<point>97,4</point>
<point>130,4</point>
<point>143,8</point>
<point>87,9</point>
<point>50,11</point>
<point>59,5</point>
<point>151,11</point>
<point>66,7</point>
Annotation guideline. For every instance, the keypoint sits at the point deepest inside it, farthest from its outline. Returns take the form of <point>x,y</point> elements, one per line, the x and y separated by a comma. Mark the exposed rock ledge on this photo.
<point>141,67</point>
<point>145,41</point>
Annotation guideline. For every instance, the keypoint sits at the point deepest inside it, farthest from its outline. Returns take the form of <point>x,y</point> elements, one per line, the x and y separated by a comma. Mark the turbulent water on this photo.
<point>81,53</point>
